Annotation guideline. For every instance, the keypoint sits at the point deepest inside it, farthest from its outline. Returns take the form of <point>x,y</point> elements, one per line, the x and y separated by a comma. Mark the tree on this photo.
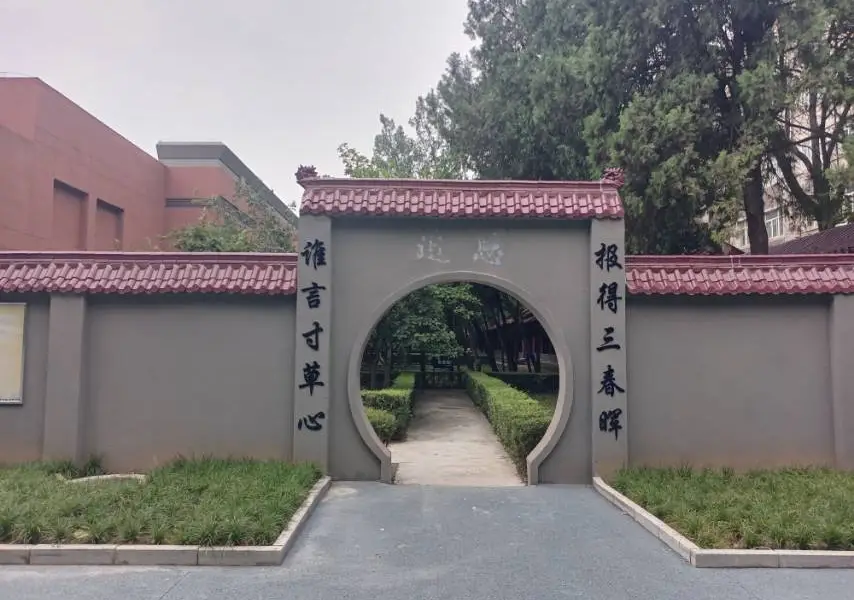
<point>416,324</point>
<point>396,154</point>
<point>677,92</point>
<point>246,223</point>
<point>812,144</point>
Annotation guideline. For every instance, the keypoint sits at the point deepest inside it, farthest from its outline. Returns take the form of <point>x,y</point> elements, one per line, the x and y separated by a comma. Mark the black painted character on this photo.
<point>609,422</point>
<point>608,297</point>
<point>311,377</point>
<point>312,422</point>
<point>314,253</point>
<point>608,342</point>
<point>312,337</point>
<point>607,257</point>
<point>609,383</point>
<point>312,294</point>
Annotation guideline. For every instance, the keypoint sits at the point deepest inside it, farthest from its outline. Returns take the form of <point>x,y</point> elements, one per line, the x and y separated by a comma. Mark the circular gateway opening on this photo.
<point>459,383</point>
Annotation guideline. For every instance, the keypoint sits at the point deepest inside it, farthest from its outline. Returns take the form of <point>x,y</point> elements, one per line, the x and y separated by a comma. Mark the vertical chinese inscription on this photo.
<point>607,259</point>
<point>608,363</point>
<point>314,255</point>
<point>312,374</point>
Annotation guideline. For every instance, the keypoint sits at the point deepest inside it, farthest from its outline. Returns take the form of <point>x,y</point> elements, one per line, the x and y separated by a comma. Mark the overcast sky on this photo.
<point>282,82</point>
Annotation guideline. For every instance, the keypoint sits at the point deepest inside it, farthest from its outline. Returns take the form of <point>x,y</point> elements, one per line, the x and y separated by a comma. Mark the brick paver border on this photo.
<point>702,558</point>
<point>162,555</point>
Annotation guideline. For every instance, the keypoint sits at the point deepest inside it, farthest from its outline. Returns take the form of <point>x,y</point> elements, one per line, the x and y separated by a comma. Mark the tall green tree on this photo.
<point>678,92</point>
<point>396,154</point>
<point>813,145</point>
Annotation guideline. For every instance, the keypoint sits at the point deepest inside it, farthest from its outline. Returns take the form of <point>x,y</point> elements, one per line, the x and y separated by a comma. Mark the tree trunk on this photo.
<point>387,367</point>
<point>826,210</point>
<point>754,208</point>
<point>487,344</point>
<point>506,337</point>
<point>519,333</point>
<point>374,360</point>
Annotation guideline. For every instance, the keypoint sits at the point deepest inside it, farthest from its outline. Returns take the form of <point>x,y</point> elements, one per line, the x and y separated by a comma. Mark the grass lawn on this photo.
<point>805,509</point>
<point>195,502</point>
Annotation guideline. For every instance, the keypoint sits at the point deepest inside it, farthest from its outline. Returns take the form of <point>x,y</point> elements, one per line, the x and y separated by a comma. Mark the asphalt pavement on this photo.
<point>369,540</point>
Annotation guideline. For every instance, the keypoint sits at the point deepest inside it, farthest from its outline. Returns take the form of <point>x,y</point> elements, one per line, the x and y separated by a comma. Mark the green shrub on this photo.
<point>396,400</point>
<point>404,381</point>
<point>532,383</point>
<point>383,422</point>
<point>519,421</point>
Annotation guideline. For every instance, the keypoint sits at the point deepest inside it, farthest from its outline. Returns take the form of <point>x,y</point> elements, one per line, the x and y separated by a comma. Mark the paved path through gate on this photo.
<point>450,442</point>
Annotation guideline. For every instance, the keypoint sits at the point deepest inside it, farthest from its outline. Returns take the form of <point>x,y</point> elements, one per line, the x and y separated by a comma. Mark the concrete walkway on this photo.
<point>450,442</point>
<point>370,540</point>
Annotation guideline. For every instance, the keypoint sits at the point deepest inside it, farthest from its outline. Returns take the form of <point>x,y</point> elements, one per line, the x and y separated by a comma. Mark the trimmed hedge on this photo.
<point>533,383</point>
<point>396,400</point>
<point>365,379</point>
<point>519,421</point>
<point>383,422</point>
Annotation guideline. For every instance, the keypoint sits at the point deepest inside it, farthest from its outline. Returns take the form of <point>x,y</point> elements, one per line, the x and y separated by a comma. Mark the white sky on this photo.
<point>281,82</point>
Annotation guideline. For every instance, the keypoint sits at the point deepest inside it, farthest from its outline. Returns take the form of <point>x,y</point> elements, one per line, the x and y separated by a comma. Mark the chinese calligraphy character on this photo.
<point>311,377</point>
<point>312,337</point>
<point>312,422</point>
<point>489,251</point>
<point>608,342</point>
<point>609,383</point>
<point>607,258</point>
<point>314,253</point>
<point>312,294</point>
<point>431,249</point>
<point>609,422</point>
<point>608,297</point>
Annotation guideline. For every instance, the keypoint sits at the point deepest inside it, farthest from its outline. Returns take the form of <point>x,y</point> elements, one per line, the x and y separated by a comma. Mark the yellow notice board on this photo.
<point>12,353</point>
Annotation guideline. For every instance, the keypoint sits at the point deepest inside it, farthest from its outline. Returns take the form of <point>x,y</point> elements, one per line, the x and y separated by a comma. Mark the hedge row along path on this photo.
<point>450,442</point>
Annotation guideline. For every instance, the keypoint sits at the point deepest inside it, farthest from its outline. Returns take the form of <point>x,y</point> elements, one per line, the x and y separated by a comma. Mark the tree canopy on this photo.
<point>703,103</point>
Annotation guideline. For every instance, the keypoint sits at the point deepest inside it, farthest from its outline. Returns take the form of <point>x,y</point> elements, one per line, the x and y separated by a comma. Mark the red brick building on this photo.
<point>69,182</point>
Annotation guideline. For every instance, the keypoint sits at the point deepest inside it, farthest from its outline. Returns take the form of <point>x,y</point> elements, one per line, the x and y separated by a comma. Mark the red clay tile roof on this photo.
<point>275,274</point>
<point>734,275</point>
<point>461,199</point>
<point>838,240</point>
<point>147,273</point>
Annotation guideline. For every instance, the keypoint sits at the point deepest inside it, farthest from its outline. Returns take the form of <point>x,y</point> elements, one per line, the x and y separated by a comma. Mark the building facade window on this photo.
<point>773,223</point>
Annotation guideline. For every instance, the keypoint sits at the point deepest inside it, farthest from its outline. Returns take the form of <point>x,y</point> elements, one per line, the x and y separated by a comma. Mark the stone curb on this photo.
<point>676,541</point>
<point>727,558</point>
<point>162,555</point>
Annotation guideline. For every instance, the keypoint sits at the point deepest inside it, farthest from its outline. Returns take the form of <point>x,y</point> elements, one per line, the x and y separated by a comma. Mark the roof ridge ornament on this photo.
<point>614,176</point>
<point>306,172</point>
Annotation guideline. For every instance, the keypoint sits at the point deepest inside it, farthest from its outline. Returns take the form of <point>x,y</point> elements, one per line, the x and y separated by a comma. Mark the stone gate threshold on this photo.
<point>450,442</point>
<point>165,555</point>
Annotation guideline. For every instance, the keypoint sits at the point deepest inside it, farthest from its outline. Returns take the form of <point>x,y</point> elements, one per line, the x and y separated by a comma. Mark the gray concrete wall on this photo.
<point>192,377</point>
<point>377,262</point>
<point>742,382</point>
<point>140,381</point>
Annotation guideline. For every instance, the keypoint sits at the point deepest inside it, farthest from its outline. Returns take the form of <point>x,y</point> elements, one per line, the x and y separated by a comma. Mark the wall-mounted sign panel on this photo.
<point>12,352</point>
